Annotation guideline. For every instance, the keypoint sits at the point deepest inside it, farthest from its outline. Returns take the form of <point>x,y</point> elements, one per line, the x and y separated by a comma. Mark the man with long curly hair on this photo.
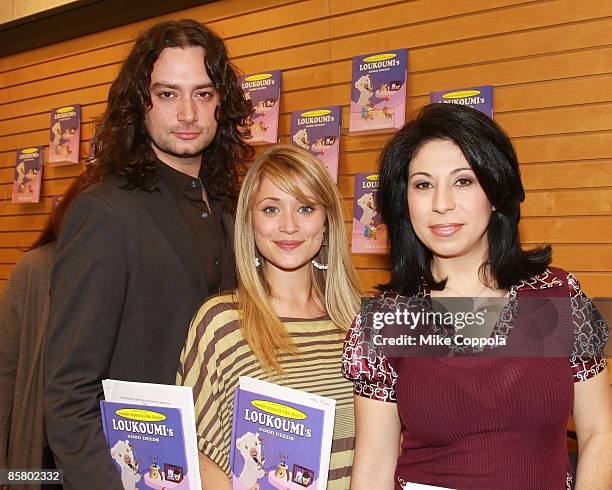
<point>144,246</point>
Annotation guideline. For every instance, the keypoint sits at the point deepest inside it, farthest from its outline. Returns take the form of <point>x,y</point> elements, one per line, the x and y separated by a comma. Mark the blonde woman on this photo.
<point>297,295</point>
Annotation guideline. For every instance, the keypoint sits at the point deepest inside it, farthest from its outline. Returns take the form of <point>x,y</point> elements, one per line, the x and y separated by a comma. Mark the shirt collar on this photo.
<point>178,182</point>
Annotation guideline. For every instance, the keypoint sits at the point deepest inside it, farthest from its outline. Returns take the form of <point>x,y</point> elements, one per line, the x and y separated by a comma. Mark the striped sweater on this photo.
<point>216,355</point>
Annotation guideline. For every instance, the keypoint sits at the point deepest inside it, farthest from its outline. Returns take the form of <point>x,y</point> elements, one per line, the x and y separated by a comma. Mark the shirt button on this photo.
<point>204,214</point>
<point>216,261</point>
<point>194,183</point>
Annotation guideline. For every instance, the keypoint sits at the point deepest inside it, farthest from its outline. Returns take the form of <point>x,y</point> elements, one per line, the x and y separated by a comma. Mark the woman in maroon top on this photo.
<point>471,418</point>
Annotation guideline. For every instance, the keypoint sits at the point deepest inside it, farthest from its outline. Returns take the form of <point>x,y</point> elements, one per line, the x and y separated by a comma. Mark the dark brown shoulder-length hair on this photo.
<point>122,145</point>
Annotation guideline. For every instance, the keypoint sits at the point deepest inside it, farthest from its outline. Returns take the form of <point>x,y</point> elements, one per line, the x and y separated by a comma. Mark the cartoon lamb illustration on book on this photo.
<point>61,138</point>
<point>301,139</point>
<point>250,446</point>
<point>364,85</point>
<point>123,455</point>
<point>366,202</point>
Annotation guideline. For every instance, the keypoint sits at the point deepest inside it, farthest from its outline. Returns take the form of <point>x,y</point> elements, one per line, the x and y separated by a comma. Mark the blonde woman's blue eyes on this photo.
<point>301,210</point>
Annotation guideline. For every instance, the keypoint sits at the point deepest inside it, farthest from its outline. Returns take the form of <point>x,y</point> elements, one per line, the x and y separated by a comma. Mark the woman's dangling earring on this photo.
<point>317,264</point>
<point>257,262</point>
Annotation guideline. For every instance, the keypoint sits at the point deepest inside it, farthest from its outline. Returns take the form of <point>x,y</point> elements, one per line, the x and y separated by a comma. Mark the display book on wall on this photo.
<point>65,135</point>
<point>318,131</point>
<point>480,98</point>
<point>28,175</point>
<point>369,232</point>
<point>263,89</point>
<point>378,97</point>
<point>150,429</point>
<point>281,437</point>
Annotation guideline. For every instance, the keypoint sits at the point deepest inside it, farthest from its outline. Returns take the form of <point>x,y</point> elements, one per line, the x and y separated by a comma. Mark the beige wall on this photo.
<point>550,62</point>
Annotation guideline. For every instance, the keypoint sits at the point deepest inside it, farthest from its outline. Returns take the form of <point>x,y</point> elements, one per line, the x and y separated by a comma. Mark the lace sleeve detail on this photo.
<point>370,371</point>
<point>590,334</point>
<point>586,367</point>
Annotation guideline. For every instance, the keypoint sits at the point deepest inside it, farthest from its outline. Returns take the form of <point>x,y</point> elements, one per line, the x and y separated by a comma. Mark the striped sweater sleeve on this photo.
<point>199,368</point>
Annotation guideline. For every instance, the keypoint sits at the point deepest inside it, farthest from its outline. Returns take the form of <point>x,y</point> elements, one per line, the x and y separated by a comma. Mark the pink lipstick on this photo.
<point>288,245</point>
<point>445,229</point>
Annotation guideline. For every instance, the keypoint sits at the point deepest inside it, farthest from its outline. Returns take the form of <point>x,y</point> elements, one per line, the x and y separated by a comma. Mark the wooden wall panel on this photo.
<point>381,17</point>
<point>212,13</point>
<point>550,62</point>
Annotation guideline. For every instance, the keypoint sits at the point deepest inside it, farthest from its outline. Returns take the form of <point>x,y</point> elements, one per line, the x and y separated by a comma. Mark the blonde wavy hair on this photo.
<point>298,173</point>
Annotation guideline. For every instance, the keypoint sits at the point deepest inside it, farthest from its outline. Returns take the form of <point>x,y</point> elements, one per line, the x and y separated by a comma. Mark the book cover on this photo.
<point>146,445</point>
<point>281,438</point>
<point>318,131</point>
<point>176,404</point>
<point>480,98</point>
<point>369,232</point>
<point>28,175</point>
<point>378,99</point>
<point>263,90</point>
<point>65,135</point>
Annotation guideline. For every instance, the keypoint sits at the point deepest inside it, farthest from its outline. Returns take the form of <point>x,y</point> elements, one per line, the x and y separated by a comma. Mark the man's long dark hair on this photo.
<point>491,156</point>
<point>122,145</point>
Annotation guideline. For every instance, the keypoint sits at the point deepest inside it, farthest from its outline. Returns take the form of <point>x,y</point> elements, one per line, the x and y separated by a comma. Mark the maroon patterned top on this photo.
<point>484,422</point>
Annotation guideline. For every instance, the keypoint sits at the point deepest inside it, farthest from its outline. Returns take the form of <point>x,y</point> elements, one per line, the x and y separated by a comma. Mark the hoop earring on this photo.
<point>318,265</point>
